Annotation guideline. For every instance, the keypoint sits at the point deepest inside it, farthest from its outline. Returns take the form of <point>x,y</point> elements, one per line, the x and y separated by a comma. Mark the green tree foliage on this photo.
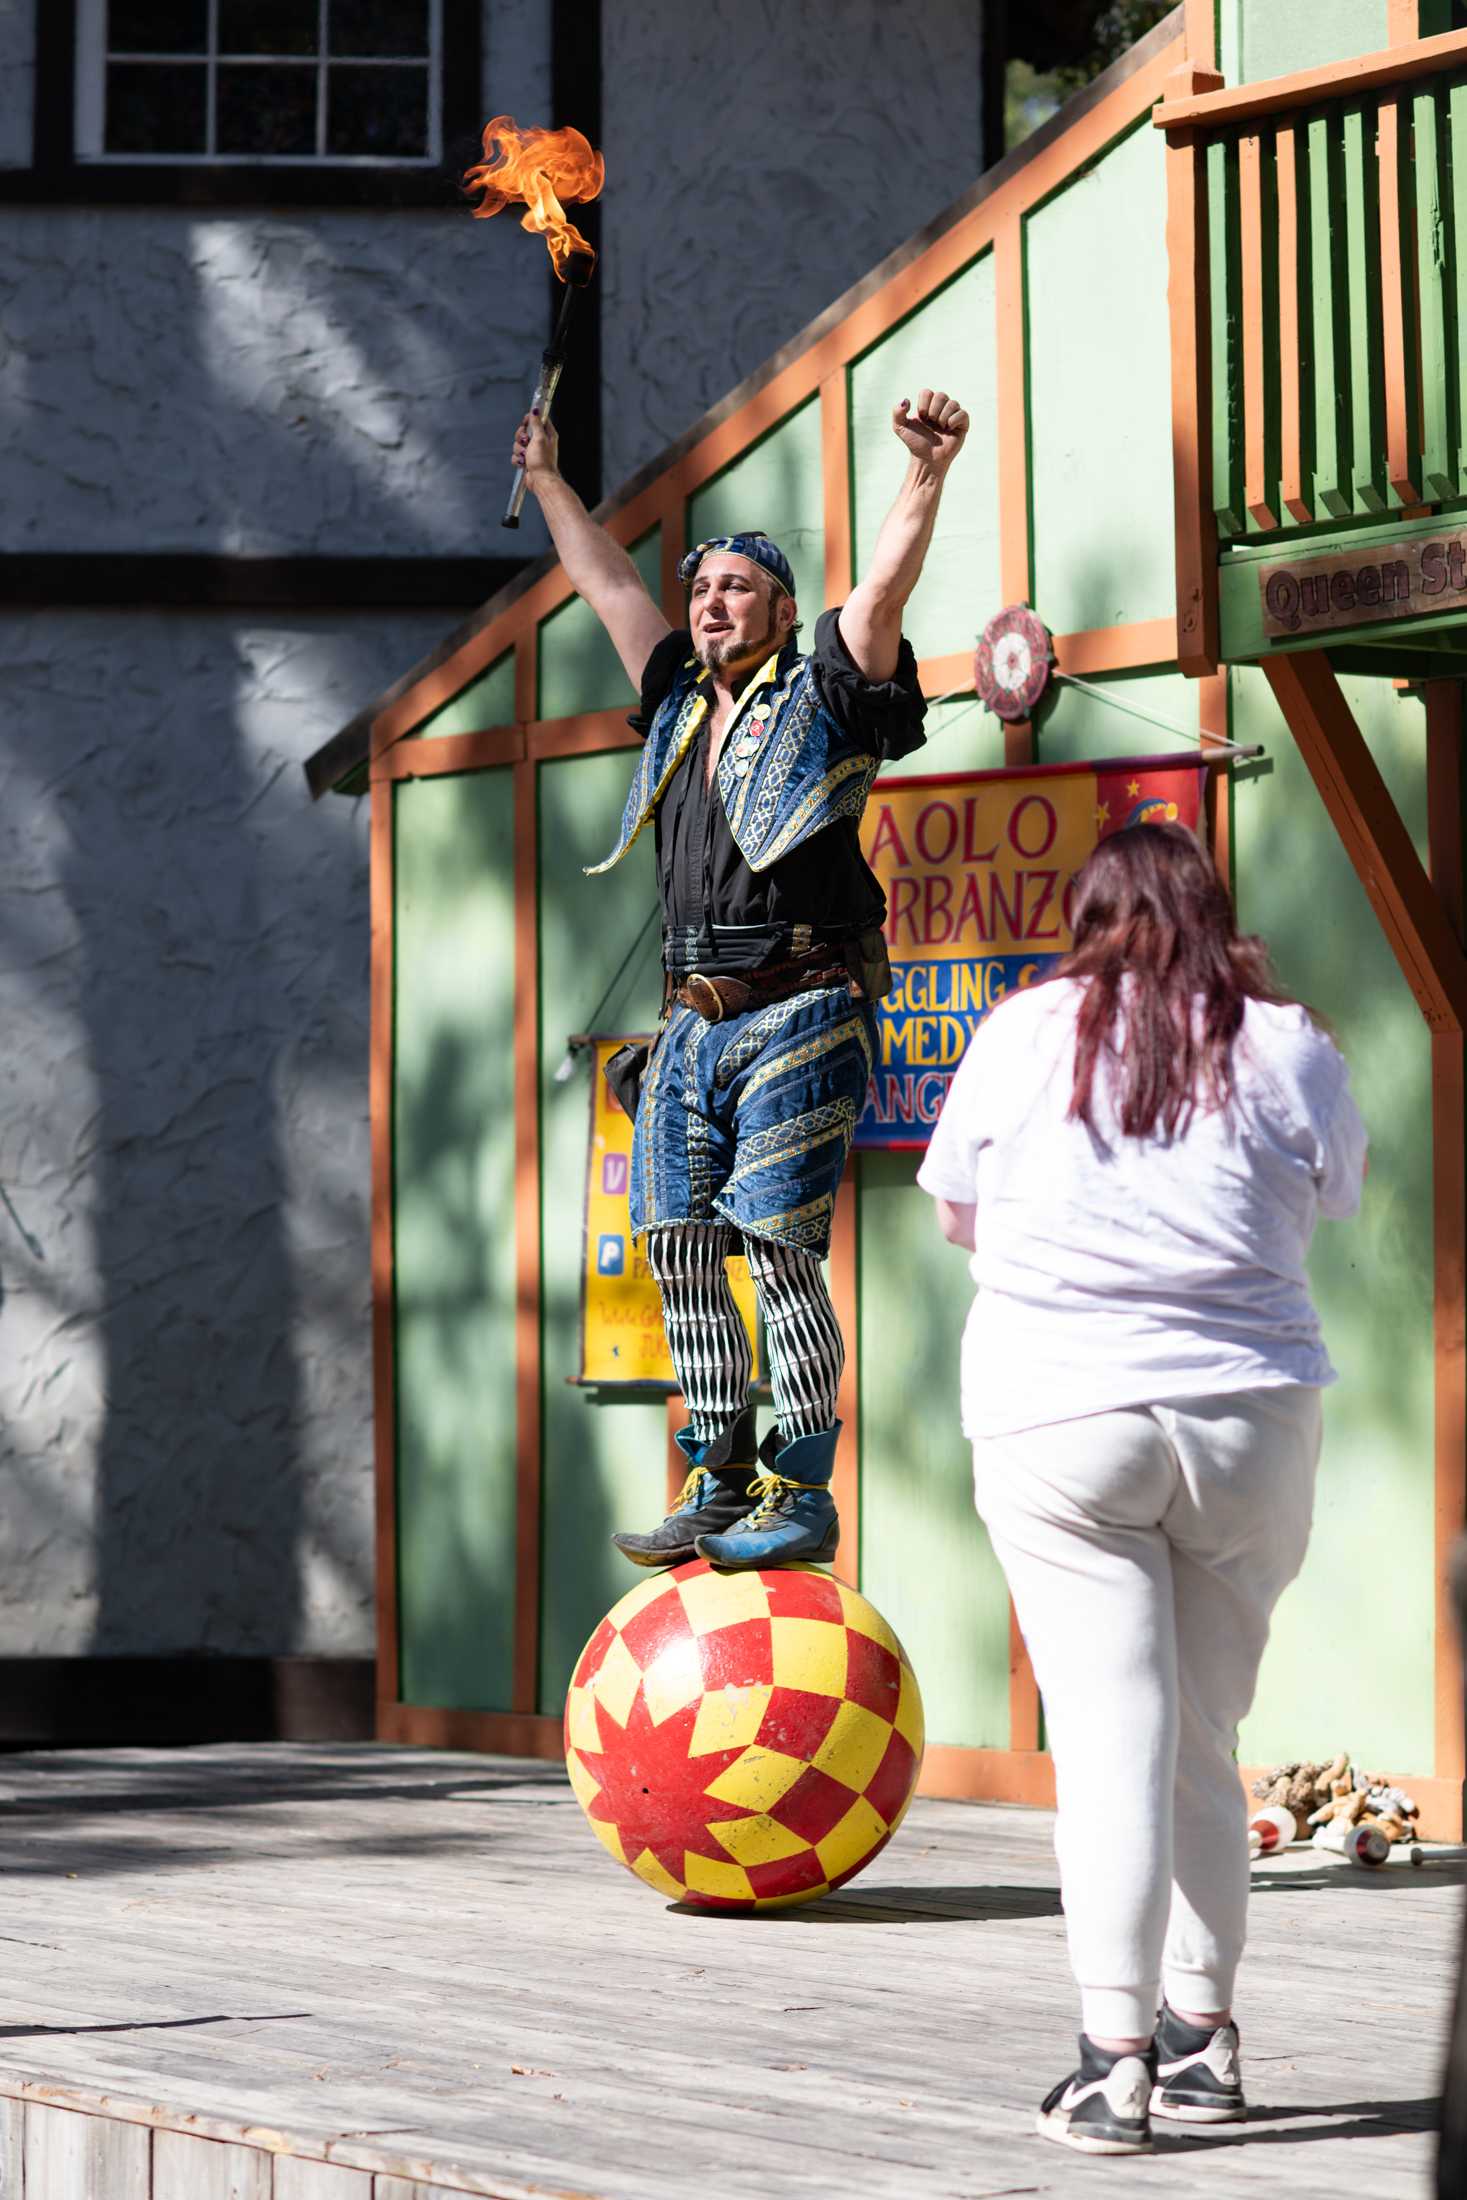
<point>1055,47</point>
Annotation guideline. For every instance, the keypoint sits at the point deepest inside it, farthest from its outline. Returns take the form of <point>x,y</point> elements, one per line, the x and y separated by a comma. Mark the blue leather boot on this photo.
<point>718,1492</point>
<point>793,1514</point>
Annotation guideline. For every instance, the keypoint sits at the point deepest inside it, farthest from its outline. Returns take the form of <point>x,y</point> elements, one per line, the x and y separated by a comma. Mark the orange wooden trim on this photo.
<point>384,1397</point>
<point>1403,22</point>
<point>988,1775</point>
<point>527,675</point>
<point>845,1298</point>
<point>588,735</point>
<point>1023,1690</point>
<point>431,755</point>
<point>1291,411</point>
<point>527,1236</point>
<point>677,1458</point>
<point>1012,429</point>
<point>1378,844</point>
<point>835,467</point>
<point>1188,301</point>
<point>1444,735</point>
<point>1256,331</point>
<point>494,1733</point>
<point>943,676</point>
<point>1201,32</point>
<point>1116,648</point>
<point>1018,743</point>
<point>1367,72</point>
<point>1213,724</point>
<point>1394,338</point>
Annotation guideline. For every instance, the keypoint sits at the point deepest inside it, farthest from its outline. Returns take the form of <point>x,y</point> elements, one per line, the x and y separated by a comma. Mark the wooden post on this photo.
<point>1213,723</point>
<point>384,1408</point>
<point>1378,844</point>
<point>526,1682</point>
<point>1015,566</point>
<point>845,1298</point>
<point>1444,801</point>
<point>1188,277</point>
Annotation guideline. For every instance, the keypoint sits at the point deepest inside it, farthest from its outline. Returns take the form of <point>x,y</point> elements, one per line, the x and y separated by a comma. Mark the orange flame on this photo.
<point>537,169</point>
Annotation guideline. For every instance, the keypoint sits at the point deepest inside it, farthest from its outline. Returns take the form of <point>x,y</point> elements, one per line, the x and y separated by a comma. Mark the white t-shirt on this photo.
<point>1116,1271</point>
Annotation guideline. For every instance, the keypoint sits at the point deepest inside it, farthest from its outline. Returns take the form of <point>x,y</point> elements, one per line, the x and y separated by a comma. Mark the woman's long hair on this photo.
<point>1166,976</point>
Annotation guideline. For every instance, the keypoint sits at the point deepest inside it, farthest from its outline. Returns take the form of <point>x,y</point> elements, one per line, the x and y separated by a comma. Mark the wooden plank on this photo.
<point>1015,547</point>
<point>12,2149</point>
<point>1403,22</point>
<point>527,1237</point>
<point>1019,746</point>
<point>1188,278</point>
<point>1398,351</point>
<point>439,1726</point>
<point>1457,261</point>
<point>298,2179</point>
<point>1275,95</point>
<point>1293,471</point>
<point>844,1293</point>
<point>1200,24</point>
<point>677,1458</point>
<point>74,2157</point>
<point>406,2188</point>
<point>1214,725</point>
<point>1436,310</point>
<point>208,2169</point>
<point>1225,350</point>
<point>1362,231</point>
<point>1445,825</point>
<point>1328,321</point>
<point>433,754</point>
<point>835,466</point>
<point>1258,334</point>
<point>1369,825</point>
<point>1023,1690</point>
<point>383,891</point>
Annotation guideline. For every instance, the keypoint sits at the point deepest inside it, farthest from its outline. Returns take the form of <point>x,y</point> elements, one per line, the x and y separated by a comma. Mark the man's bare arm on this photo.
<point>596,567</point>
<point>958,1224</point>
<point>871,620</point>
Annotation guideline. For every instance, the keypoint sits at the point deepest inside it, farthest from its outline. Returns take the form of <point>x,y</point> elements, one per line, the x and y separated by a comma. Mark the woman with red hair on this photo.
<point>1136,1154</point>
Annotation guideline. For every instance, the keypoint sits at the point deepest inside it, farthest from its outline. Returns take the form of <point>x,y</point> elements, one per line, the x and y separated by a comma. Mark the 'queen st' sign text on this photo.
<point>1381,580</point>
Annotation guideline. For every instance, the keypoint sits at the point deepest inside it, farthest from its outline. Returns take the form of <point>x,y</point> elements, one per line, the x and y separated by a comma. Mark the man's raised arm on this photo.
<point>871,619</point>
<point>596,567</point>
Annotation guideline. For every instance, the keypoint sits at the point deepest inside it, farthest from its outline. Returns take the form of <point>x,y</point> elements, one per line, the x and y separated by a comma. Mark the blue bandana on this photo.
<point>757,547</point>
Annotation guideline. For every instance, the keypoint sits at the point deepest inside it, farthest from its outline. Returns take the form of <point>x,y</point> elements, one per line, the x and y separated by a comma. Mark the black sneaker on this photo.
<point>1197,2076</point>
<point>1101,2108</point>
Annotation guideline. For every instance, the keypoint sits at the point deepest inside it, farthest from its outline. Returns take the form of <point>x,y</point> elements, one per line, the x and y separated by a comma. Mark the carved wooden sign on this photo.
<point>1380,580</point>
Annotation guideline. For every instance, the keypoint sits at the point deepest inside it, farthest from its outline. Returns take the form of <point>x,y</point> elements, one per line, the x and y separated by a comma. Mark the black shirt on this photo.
<point>825,882</point>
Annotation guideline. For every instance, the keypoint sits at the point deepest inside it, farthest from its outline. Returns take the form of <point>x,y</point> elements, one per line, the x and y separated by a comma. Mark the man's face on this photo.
<point>736,612</point>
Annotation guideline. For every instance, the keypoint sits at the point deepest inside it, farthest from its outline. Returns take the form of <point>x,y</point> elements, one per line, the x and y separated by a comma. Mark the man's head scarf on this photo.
<point>759,548</point>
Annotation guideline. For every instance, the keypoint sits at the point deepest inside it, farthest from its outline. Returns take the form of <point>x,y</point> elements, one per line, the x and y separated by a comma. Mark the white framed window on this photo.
<point>269,83</point>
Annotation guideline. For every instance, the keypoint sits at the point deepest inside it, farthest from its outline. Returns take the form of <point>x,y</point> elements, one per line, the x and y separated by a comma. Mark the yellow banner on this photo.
<point>622,1339</point>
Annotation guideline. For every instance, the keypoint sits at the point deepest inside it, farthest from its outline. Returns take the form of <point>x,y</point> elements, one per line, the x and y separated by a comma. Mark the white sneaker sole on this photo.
<point>1063,2133</point>
<point>1186,2112</point>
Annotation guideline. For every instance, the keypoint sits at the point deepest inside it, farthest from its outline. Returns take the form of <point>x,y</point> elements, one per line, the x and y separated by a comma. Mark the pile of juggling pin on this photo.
<point>1329,1800</point>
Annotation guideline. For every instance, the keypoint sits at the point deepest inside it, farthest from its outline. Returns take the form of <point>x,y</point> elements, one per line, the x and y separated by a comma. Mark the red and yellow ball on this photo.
<point>743,1741</point>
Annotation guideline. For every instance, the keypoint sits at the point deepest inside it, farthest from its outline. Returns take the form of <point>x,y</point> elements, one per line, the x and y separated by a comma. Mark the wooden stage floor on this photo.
<point>244,1965</point>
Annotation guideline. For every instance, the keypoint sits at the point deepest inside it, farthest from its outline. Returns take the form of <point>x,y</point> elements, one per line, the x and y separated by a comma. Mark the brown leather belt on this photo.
<point>713,998</point>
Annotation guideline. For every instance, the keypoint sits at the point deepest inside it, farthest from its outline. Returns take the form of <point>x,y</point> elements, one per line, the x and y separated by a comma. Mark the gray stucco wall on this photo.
<point>17,63</point>
<point>184,1373</point>
<point>758,164</point>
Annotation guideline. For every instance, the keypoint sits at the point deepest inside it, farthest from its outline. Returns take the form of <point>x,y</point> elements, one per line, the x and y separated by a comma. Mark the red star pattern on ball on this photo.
<point>740,1740</point>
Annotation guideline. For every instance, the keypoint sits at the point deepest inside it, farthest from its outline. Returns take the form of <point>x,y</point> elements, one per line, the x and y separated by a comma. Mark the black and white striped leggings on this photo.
<point>710,1346</point>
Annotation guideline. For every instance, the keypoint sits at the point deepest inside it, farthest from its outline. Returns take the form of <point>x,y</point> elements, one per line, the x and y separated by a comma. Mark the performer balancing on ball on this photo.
<point>757,762</point>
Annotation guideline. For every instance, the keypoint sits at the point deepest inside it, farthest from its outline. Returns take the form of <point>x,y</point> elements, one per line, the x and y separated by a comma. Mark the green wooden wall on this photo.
<point>603,1467</point>
<point>1327,1673</point>
<point>579,669</point>
<point>488,700</point>
<point>453,1165</point>
<point>775,488</point>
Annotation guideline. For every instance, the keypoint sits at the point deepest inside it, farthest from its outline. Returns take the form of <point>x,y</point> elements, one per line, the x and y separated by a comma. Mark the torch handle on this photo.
<point>552,365</point>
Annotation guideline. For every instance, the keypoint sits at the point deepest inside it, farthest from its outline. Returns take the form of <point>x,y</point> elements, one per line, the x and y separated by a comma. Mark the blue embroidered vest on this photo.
<point>786,772</point>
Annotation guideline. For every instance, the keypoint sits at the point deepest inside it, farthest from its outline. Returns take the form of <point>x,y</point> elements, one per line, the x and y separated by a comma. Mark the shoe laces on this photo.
<point>772,1494</point>
<point>687,1495</point>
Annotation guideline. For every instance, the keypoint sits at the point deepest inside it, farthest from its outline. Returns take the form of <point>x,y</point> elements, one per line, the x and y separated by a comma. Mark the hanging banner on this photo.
<point>978,870</point>
<point>622,1340</point>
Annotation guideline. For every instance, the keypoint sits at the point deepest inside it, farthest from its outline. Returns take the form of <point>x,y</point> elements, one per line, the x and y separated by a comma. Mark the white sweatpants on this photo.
<point>1145,1551</point>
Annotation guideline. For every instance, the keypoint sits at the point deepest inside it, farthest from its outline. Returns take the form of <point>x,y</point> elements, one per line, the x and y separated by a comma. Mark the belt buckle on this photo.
<point>704,997</point>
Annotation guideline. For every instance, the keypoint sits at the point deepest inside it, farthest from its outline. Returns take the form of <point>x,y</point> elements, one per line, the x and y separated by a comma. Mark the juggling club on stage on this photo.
<point>579,269</point>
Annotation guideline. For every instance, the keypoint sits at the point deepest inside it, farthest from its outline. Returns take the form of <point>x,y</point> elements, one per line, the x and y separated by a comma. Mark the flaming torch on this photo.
<point>539,170</point>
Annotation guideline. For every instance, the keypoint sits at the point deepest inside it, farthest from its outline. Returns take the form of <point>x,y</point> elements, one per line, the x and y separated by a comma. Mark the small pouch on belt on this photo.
<point>624,1071</point>
<point>714,998</point>
<point>869,965</point>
